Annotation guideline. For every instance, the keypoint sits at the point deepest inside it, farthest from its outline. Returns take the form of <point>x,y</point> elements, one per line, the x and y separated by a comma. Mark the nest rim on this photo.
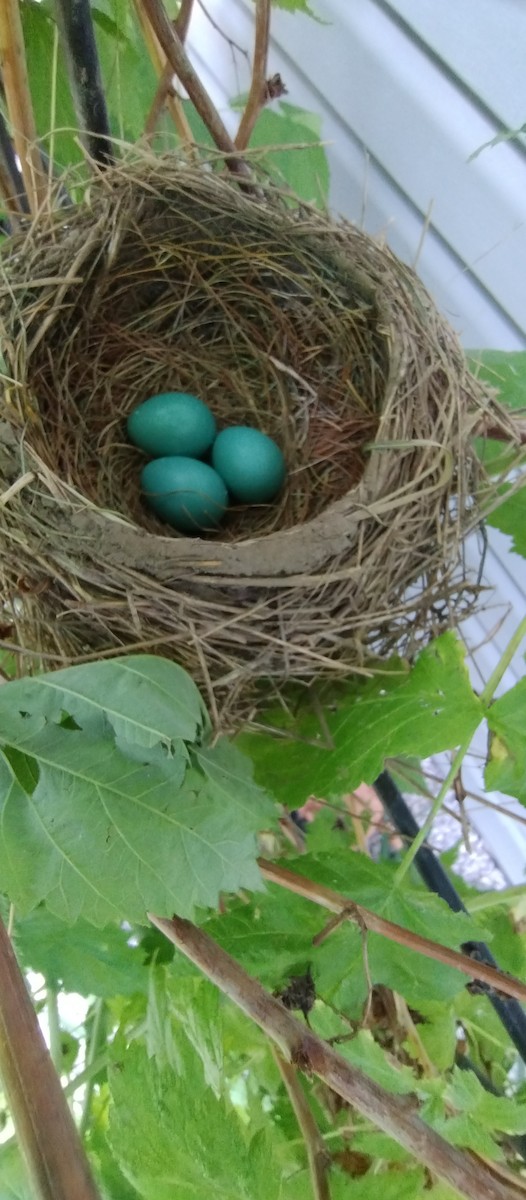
<point>420,457</point>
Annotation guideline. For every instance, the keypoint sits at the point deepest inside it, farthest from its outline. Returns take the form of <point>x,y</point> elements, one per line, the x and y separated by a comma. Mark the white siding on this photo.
<point>401,128</point>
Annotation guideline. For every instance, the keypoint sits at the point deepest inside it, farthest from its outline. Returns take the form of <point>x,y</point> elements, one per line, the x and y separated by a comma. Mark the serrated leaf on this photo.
<point>197,1007</point>
<point>159,1035</point>
<point>506,766</point>
<point>80,958</point>
<point>365,1053</point>
<point>510,518</point>
<point>465,1093</point>
<point>419,712</point>
<point>17,874</point>
<point>380,1146</point>
<point>409,1184</point>
<point>438,1033</point>
<point>146,700</point>
<point>268,936</point>
<point>104,837</point>
<point>230,775</point>
<point>172,1136</point>
<point>464,1131</point>
<point>14,1181</point>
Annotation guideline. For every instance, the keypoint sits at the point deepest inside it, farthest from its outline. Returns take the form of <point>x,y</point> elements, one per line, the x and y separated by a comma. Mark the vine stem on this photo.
<point>395,1115</point>
<point>486,900</point>
<point>45,1129</point>
<point>318,1156</point>
<point>486,697</point>
<point>18,96</point>
<point>348,910</point>
<point>95,1039</point>
<point>180,63</point>
<point>257,92</point>
<point>488,692</point>
<point>53,1021</point>
<point>165,93</point>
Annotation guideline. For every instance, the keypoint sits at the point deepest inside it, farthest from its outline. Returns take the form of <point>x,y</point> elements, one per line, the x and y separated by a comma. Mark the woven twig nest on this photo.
<point>169,277</point>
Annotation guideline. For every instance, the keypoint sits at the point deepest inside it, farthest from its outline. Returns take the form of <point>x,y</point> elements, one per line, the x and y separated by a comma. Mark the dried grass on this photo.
<point>170,276</point>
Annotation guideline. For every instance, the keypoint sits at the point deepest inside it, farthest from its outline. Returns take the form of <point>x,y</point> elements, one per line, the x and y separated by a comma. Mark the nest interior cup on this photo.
<point>170,277</point>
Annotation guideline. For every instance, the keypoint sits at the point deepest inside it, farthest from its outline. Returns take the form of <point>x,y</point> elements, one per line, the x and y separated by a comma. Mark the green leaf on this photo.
<point>17,874</point>
<point>293,154</point>
<point>128,76</point>
<point>365,1053</point>
<point>146,700</point>
<point>172,1136</point>
<point>380,1146</point>
<point>39,38</point>
<point>466,1132</point>
<point>295,6</point>
<point>409,1184</point>
<point>510,518</point>
<point>504,370</point>
<point>272,936</point>
<point>420,711</point>
<point>438,1032</point>
<point>230,781</point>
<point>105,837</point>
<point>197,1006</point>
<point>160,1041</point>
<point>14,1182</point>
<point>465,1093</point>
<point>80,958</point>
<point>506,766</point>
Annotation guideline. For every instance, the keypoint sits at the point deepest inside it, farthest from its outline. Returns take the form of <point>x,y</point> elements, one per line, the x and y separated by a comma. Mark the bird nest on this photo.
<point>170,277</point>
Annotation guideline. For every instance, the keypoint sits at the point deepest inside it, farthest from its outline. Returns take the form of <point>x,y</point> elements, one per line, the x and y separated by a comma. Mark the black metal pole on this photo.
<point>80,49</point>
<point>510,1013</point>
<point>10,169</point>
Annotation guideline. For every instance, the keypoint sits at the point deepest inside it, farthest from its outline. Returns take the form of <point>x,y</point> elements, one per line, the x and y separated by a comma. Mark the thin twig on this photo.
<point>343,907</point>
<point>395,1115</point>
<point>20,108</point>
<point>165,92</point>
<point>44,1125</point>
<point>318,1156</point>
<point>182,67</point>
<point>257,92</point>
<point>96,1039</point>
<point>230,41</point>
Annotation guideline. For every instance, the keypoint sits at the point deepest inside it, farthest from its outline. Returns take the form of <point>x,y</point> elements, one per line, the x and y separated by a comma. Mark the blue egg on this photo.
<point>185,493</point>
<point>250,463</point>
<point>172,423</point>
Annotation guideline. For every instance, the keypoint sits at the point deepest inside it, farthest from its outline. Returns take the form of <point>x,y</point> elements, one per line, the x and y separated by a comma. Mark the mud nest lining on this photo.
<point>169,276</point>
